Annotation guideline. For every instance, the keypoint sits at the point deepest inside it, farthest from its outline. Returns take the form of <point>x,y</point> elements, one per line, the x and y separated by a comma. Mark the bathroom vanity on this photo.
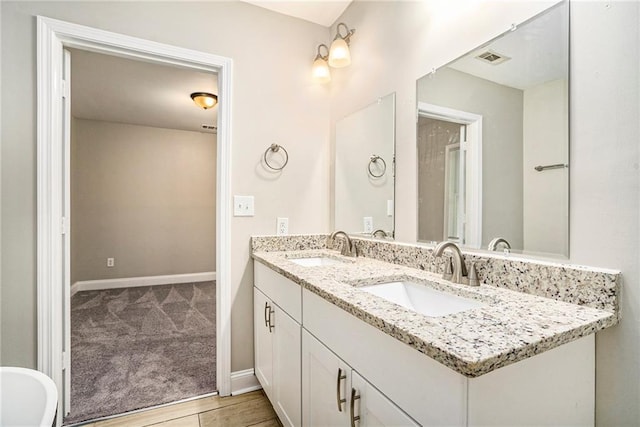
<point>330,352</point>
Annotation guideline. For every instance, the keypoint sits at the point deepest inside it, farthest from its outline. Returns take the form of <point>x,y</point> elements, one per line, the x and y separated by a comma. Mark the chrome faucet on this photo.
<point>348,247</point>
<point>379,232</point>
<point>459,273</point>
<point>493,244</point>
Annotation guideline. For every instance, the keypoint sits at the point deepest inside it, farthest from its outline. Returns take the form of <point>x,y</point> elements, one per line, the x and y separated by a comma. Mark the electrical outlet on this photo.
<point>282,227</point>
<point>368,224</point>
<point>111,262</point>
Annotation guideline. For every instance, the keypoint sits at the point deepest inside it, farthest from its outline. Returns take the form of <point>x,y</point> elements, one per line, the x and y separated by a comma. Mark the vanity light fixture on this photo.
<point>320,70</point>
<point>204,100</point>
<point>339,55</point>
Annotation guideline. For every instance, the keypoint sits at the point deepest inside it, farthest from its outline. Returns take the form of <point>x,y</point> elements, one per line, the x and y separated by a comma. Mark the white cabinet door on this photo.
<point>369,407</point>
<point>263,341</point>
<point>324,385</point>
<point>286,367</point>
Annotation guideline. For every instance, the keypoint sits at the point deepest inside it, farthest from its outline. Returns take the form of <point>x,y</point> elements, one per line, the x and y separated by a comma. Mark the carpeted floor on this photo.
<point>139,347</point>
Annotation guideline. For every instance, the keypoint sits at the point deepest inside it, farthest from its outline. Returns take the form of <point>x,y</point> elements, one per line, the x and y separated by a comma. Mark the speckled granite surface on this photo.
<point>293,242</point>
<point>593,287</point>
<point>511,326</point>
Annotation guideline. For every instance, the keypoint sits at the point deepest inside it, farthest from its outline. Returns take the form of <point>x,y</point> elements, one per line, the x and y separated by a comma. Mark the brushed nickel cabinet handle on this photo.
<point>266,309</point>
<point>341,376</point>
<point>271,324</point>
<point>354,397</point>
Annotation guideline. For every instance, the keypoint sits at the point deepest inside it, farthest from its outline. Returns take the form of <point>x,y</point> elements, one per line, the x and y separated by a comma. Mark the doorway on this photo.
<point>142,235</point>
<point>53,186</point>
<point>449,166</point>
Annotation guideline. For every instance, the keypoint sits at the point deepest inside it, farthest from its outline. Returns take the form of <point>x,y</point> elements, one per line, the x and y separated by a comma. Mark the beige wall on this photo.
<point>274,100</point>
<point>604,100</point>
<point>145,196</point>
<point>501,109</point>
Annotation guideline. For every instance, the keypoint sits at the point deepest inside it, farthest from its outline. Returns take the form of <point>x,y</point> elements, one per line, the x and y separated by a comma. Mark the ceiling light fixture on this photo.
<point>339,55</point>
<point>320,70</point>
<point>204,100</point>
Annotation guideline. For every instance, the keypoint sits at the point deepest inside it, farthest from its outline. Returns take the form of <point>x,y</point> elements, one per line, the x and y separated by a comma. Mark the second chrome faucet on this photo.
<point>348,247</point>
<point>458,274</point>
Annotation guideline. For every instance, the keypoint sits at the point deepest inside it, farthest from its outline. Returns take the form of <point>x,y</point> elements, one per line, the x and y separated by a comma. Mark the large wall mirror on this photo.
<point>493,143</point>
<point>364,170</point>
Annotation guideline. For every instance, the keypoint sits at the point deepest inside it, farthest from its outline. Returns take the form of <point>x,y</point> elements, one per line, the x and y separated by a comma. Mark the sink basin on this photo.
<point>27,398</point>
<point>315,261</point>
<point>421,298</point>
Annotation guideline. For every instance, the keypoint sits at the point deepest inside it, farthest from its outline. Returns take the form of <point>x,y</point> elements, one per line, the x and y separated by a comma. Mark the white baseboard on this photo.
<point>131,282</point>
<point>244,382</point>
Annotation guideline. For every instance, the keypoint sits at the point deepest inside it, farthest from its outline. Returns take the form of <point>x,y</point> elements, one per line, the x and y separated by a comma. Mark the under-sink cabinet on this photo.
<point>333,394</point>
<point>322,366</point>
<point>277,343</point>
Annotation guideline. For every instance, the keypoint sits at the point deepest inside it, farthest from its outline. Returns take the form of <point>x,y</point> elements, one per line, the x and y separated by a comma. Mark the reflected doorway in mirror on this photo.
<point>449,175</point>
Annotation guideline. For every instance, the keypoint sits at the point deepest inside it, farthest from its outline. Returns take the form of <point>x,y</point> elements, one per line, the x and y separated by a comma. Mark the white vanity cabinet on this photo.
<point>371,408</point>
<point>552,388</point>
<point>317,361</point>
<point>263,341</point>
<point>333,394</point>
<point>277,343</point>
<point>325,384</point>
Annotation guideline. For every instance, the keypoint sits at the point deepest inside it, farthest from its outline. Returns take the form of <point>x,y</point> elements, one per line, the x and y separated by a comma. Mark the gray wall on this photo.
<point>545,194</point>
<point>274,100</point>
<point>604,174</point>
<point>501,110</point>
<point>145,196</point>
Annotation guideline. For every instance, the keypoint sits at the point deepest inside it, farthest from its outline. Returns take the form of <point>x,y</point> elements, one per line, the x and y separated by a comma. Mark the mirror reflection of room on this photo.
<point>492,143</point>
<point>364,176</point>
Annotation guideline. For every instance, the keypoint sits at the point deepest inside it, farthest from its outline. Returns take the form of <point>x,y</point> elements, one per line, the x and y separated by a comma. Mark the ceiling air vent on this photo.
<point>211,128</point>
<point>493,58</point>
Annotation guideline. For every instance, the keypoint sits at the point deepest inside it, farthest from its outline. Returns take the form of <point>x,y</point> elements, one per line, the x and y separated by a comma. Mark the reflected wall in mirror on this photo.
<point>364,170</point>
<point>493,142</point>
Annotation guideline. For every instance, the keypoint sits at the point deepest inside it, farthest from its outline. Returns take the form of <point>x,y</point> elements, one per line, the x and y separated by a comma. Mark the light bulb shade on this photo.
<point>339,55</point>
<point>204,100</point>
<point>320,71</point>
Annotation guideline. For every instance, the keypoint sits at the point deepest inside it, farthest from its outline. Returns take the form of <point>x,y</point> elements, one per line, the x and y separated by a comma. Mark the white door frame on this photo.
<point>53,36</point>
<point>473,185</point>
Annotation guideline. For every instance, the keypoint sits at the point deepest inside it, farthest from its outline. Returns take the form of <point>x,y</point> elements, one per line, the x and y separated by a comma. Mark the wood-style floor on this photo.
<point>250,409</point>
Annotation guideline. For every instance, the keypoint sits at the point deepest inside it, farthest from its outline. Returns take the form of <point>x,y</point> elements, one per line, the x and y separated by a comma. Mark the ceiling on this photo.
<point>324,12</point>
<point>114,89</point>
<point>538,52</point>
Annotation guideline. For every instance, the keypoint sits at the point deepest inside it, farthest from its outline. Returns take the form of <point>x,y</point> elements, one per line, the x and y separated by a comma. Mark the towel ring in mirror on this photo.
<point>275,148</point>
<point>374,160</point>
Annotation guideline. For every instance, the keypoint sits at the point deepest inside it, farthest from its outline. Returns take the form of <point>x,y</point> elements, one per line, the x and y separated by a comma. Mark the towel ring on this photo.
<point>275,148</point>
<point>374,159</point>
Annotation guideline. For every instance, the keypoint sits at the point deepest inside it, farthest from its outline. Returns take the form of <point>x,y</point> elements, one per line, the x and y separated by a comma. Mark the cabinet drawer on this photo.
<point>282,291</point>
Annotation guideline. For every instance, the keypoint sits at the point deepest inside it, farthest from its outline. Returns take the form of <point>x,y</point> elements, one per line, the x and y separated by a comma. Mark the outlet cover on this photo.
<point>243,206</point>
<point>111,262</point>
<point>368,224</point>
<point>282,227</point>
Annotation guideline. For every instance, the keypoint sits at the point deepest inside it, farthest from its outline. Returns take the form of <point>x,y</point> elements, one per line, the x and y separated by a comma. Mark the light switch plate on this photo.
<point>243,206</point>
<point>389,207</point>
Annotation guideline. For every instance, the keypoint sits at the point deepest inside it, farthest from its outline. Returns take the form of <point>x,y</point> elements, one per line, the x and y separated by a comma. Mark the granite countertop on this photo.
<point>509,327</point>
